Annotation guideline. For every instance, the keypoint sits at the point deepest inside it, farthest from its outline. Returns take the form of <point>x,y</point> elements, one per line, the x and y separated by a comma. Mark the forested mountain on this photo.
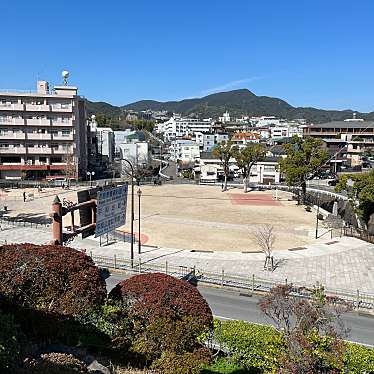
<point>237,102</point>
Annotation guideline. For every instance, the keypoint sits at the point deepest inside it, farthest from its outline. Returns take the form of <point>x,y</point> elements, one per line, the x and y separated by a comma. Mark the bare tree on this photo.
<point>265,238</point>
<point>312,325</point>
<point>70,168</point>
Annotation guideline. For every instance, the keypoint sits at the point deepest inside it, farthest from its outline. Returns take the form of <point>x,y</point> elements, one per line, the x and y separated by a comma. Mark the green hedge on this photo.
<point>253,346</point>
<point>359,359</point>
<point>258,347</point>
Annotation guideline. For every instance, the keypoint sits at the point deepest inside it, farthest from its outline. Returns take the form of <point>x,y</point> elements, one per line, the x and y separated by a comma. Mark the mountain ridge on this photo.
<point>237,102</point>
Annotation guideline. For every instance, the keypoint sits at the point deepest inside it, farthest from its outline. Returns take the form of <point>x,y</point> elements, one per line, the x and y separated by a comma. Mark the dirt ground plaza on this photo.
<point>193,217</point>
<point>204,218</point>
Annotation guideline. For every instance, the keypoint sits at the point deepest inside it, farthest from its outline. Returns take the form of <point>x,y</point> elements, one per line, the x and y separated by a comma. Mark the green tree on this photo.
<point>247,157</point>
<point>362,189</point>
<point>304,160</point>
<point>224,151</point>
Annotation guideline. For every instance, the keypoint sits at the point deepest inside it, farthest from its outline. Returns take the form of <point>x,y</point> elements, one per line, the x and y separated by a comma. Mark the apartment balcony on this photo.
<point>11,107</point>
<point>12,150</point>
<point>11,122</point>
<point>38,122</point>
<point>63,151</point>
<point>35,136</point>
<point>62,109</point>
<point>63,137</point>
<point>62,124</point>
<point>37,108</point>
<point>12,135</point>
<point>39,150</point>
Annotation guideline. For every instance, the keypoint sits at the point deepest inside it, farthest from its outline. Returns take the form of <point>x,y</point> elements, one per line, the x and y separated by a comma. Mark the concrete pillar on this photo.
<point>57,221</point>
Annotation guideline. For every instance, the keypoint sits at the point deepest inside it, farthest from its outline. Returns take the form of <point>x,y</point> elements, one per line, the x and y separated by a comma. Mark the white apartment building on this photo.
<point>43,133</point>
<point>178,127</point>
<point>137,153</point>
<point>105,142</point>
<point>184,151</point>
<point>208,141</point>
<point>285,131</point>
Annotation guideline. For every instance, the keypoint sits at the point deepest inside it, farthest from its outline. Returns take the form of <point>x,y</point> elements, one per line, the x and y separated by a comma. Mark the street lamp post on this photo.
<point>132,211</point>
<point>90,174</point>
<point>139,241</point>
<point>318,202</point>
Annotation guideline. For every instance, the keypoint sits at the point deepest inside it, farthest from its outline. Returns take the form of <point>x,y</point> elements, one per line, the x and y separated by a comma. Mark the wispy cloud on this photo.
<point>230,85</point>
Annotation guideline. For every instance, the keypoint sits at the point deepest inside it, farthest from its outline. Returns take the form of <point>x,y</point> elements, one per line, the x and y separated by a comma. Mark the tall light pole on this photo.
<point>132,211</point>
<point>318,202</point>
<point>90,174</point>
<point>139,241</point>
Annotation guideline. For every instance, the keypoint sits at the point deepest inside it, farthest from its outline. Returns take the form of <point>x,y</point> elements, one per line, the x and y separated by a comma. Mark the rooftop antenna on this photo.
<point>65,76</point>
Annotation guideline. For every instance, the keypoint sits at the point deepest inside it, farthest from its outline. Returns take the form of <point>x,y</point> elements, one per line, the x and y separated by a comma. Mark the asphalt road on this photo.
<point>227,304</point>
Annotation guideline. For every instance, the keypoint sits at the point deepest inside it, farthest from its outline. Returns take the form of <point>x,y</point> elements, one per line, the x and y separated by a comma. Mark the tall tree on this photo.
<point>246,157</point>
<point>361,191</point>
<point>224,151</point>
<point>304,160</point>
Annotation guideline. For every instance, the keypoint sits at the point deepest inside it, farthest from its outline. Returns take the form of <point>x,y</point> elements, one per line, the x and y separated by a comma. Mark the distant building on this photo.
<point>241,139</point>
<point>178,127</point>
<point>184,150</point>
<point>225,117</point>
<point>208,141</point>
<point>137,153</point>
<point>349,138</point>
<point>105,140</point>
<point>43,134</point>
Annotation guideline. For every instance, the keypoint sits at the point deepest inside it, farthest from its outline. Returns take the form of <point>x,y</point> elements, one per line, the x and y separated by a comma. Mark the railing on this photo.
<point>252,283</point>
<point>358,233</point>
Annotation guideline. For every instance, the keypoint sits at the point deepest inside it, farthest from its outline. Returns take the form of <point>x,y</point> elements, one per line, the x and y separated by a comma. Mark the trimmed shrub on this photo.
<point>262,348</point>
<point>51,278</point>
<point>252,346</point>
<point>53,363</point>
<point>168,316</point>
<point>359,359</point>
<point>9,343</point>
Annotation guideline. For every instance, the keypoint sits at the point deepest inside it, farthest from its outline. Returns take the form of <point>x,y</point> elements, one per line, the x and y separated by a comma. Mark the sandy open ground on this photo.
<point>204,218</point>
<point>195,217</point>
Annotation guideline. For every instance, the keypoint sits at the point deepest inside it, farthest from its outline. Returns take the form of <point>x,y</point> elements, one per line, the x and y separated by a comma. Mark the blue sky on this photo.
<point>310,53</point>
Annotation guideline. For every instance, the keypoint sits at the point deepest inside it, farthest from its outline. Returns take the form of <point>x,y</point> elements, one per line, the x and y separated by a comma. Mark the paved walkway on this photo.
<point>339,263</point>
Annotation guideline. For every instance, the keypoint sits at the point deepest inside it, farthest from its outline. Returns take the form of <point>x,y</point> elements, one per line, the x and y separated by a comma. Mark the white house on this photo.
<point>263,172</point>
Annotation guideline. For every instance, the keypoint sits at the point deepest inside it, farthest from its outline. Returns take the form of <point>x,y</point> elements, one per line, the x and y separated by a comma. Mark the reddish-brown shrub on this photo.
<point>52,278</point>
<point>53,363</point>
<point>168,316</point>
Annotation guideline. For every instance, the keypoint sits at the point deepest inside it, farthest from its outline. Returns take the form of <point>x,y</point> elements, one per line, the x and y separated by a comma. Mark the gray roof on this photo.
<point>344,124</point>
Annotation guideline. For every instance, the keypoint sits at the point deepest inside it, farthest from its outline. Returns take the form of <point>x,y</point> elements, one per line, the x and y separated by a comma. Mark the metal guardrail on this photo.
<point>253,284</point>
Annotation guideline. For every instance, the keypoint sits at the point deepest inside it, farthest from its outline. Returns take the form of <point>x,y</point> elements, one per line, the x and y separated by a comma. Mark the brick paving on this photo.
<point>342,263</point>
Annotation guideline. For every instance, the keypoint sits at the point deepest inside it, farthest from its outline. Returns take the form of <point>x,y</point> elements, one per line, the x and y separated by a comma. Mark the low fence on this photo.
<point>14,221</point>
<point>359,234</point>
<point>251,284</point>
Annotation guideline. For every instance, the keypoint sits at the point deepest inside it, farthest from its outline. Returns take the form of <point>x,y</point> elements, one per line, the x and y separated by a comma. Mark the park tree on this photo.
<point>264,236</point>
<point>168,316</point>
<point>224,151</point>
<point>312,326</point>
<point>360,190</point>
<point>246,157</point>
<point>304,160</point>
